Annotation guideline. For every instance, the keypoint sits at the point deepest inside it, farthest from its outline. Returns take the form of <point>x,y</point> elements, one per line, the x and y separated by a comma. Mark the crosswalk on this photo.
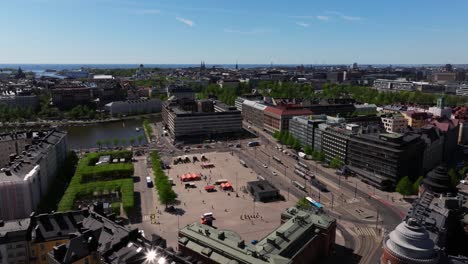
<point>365,231</point>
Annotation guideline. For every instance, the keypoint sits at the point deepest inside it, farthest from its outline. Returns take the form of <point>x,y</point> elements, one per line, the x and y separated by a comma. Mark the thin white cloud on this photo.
<point>248,32</point>
<point>187,22</point>
<point>351,18</point>
<point>302,24</point>
<point>323,18</point>
<point>148,12</point>
<point>343,16</point>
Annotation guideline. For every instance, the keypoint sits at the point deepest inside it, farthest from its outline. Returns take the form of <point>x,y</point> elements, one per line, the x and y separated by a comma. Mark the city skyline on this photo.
<point>176,32</point>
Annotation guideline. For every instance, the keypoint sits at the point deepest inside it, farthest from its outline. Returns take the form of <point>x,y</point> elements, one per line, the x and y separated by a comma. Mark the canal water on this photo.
<point>111,134</point>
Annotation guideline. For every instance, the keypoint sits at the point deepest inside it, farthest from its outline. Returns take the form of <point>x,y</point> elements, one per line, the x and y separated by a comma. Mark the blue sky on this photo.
<point>221,31</point>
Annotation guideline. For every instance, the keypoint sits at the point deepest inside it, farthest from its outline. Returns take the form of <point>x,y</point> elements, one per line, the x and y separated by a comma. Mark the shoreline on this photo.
<point>76,122</point>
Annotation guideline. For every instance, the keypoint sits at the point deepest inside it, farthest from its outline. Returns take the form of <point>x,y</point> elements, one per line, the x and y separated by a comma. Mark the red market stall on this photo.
<point>210,188</point>
<point>191,177</point>
<point>226,186</point>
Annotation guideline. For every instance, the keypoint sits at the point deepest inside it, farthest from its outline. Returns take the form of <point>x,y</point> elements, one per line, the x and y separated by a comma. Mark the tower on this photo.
<point>441,102</point>
<point>237,66</point>
<point>409,243</point>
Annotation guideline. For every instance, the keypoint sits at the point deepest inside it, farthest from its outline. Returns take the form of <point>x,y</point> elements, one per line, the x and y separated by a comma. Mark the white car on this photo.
<point>265,166</point>
<point>274,173</point>
<point>149,182</point>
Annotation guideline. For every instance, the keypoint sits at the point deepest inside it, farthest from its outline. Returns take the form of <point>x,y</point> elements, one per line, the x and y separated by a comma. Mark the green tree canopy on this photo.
<point>405,186</point>
<point>308,150</point>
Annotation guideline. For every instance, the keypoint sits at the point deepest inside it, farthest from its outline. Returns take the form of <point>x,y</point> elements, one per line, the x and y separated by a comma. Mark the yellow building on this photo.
<point>416,119</point>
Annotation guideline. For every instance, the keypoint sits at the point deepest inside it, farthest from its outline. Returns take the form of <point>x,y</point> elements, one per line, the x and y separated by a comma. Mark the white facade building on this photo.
<point>395,124</point>
<point>28,176</point>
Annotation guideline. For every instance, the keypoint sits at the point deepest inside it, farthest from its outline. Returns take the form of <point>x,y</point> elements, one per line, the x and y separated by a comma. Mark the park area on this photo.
<point>104,177</point>
<point>213,190</point>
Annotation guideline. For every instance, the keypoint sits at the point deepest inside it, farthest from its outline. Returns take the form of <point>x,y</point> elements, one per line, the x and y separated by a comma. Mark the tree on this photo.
<point>321,156</point>
<point>315,154</point>
<point>336,163</point>
<point>283,137</point>
<point>123,141</point>
<point>276,135</point>
<point>99,143</point>
<point>116,142</point>
<point>132,141</point>
<point>416,184</point>
<point>140,139</point>
<point>290,140</point>
<point>297,145</point>
<point>454,178</point>
<point>405,186</point>
<point>308,150</point>
<point>107,142</point>
<point>303,203</point>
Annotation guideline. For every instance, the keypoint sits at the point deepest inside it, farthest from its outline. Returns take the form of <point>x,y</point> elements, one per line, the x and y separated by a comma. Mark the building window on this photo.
<point>86,261</point>
<point>43,257</point>
<point>41,246</point>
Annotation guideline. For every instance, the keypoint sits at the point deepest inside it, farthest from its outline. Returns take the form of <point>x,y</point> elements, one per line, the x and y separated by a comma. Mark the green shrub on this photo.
<point>109,178</point>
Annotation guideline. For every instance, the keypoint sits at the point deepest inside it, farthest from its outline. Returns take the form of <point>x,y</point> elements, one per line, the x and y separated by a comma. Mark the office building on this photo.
<point>253,113</point>
<point>304,237</point>
<point>250,97</point>
<point>395,123</point>
<point>276,118</point>
<point>30,172</point>
<point>67,96</point>
<point>335,140</point>
<point>394,85</point>
<point>19,101</point>
<point>184,121</point>
<point>382,159</point>
<point>134,107</point>
<point>180,92</point>
<point>303,128</point>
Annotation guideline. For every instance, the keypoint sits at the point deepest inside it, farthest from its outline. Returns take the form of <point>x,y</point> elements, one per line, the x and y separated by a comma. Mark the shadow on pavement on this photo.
<point>342,255</point>
<point>137,215</point>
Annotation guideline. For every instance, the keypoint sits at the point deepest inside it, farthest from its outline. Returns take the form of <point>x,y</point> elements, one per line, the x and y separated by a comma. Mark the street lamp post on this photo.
<point>355,190</point>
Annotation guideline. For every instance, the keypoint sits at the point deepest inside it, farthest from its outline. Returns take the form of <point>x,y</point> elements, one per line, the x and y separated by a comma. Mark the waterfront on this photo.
<point>108,133</point>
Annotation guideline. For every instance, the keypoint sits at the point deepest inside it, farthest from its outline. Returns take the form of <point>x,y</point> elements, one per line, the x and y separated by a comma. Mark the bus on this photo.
<point>277,159</point>
<point>253,144</point>
<point>319,185</point>
<point>303,165</point>
<point>299,186</point>
<point>300,173</point>
<point>243,163</point>
<point>314,203</point>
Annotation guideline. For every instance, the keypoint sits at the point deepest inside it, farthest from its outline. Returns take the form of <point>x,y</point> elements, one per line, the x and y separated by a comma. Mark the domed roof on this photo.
<point>411,241</point>
<point>438,180</point>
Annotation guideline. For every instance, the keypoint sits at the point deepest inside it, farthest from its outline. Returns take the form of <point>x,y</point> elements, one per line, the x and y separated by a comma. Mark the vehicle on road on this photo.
<point>277,159</point>
<point>243,163</point>
<point>149,182</point>
<point>253,144</point>
<point>265,166</point>
<point>299,186</point>
<point>303,165</point>
<point>314,203</point>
